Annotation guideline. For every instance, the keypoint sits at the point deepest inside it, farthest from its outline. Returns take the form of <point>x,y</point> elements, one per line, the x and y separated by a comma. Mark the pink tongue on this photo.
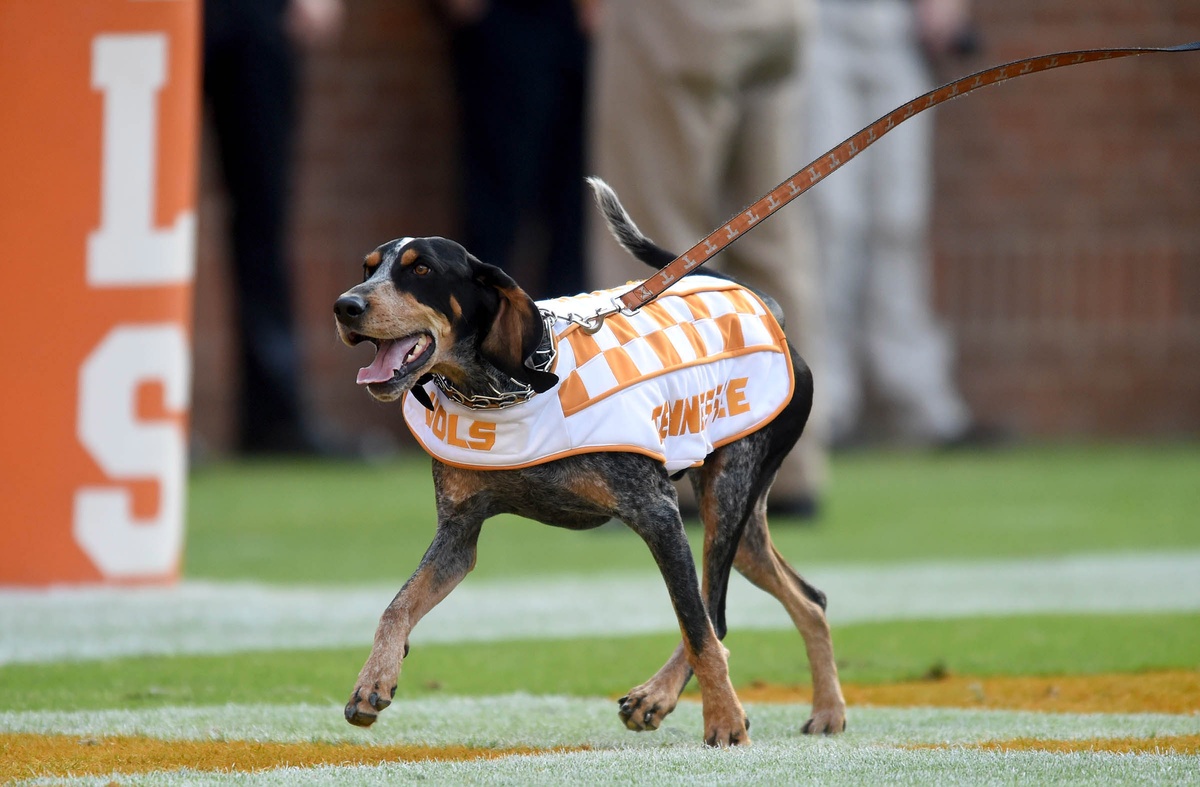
<point>389,358</point>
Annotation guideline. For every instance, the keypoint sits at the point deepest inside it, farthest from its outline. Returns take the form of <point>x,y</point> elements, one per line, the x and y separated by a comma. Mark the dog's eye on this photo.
<point>420,269</point>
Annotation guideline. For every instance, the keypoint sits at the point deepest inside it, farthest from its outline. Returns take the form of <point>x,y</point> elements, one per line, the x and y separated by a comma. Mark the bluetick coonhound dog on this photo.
<point>431,308</point>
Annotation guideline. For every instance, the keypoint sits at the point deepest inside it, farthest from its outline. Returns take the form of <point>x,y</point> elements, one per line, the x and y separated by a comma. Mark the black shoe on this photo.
<point>801,507</point>
<point>804,508</point>
<point>849,441</point>
<point>975,435</point>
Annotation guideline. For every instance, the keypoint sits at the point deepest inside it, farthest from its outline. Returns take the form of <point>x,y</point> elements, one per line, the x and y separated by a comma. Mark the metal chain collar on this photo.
<point>513,392</point>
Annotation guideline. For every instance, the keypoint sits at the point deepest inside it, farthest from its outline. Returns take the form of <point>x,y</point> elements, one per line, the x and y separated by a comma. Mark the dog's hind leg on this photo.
<point>738,491</point>
<point>759,561</point>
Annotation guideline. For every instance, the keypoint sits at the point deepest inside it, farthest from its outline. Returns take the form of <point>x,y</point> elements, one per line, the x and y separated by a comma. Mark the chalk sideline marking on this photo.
<point>205,617</point>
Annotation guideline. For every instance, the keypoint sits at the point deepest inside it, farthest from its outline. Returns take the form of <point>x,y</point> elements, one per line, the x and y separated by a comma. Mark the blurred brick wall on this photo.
<point>1067,230</point>
<point>375,161</point>
<point>1067,223</point>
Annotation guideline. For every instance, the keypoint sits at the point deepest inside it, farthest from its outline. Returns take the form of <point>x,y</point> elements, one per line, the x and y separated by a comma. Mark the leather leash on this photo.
<point>820,169</point>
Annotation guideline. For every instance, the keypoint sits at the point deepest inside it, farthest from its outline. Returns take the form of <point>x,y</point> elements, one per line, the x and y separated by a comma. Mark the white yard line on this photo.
<point>545,721</point>
<point>206,617</point>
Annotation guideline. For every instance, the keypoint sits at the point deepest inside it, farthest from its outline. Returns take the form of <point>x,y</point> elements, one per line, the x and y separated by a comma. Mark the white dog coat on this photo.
<point>701,366</point>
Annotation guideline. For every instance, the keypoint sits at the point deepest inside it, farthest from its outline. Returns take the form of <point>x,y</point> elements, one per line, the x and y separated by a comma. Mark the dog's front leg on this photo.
<point>724,719</point>
<point>645,706</point>
<point>449,558</point>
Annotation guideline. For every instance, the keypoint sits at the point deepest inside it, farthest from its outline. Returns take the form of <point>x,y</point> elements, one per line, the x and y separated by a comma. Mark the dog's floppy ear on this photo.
<point>516,329</point>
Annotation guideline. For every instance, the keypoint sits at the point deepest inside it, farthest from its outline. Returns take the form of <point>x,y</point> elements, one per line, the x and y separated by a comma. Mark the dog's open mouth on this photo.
<point>396,358</point>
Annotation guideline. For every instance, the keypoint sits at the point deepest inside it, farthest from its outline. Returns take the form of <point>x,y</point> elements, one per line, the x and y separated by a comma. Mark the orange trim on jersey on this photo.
<point>626,449</point>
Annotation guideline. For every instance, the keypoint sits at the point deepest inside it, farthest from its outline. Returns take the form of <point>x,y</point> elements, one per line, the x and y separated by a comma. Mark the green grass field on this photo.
<point>344,526</point>
<point>311,522</point>
<point>589,667</point>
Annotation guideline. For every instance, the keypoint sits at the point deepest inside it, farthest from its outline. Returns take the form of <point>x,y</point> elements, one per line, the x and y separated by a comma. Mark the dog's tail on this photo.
<point>634,241</point>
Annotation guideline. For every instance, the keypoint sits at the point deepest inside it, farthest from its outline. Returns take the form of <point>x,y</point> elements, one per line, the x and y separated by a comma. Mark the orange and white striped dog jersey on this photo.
<point>697,368</point>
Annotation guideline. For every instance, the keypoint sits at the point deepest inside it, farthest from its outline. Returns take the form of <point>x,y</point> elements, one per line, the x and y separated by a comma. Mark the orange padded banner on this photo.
<point>98,123</point>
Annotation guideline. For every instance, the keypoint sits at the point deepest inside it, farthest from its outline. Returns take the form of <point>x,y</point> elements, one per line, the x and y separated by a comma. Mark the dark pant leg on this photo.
<point>249,82</point>
<point>520,76</point>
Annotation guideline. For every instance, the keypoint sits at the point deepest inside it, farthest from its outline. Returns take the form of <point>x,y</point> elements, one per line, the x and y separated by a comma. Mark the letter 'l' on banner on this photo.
<point>99,104</point>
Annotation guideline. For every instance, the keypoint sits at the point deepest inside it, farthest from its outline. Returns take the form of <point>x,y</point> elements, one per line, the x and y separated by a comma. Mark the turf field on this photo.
<point>1030,615</point>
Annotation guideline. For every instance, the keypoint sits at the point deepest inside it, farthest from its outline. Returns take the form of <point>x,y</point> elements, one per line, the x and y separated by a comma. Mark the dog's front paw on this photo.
<point>368,700</point>
<point>826,721</point>
<point>641,714</point>
<point>644,708</point>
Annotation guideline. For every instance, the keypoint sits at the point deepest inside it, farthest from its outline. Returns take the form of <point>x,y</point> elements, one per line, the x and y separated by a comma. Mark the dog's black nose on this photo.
<point>349,307</point>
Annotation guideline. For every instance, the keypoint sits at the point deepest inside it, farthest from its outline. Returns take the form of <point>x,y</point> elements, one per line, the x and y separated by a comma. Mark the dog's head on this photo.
<point>428,306</point>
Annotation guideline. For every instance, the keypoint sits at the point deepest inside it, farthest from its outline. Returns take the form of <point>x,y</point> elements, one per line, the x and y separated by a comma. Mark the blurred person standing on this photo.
<point>251,49</point>
<point>520,69</point>
<point>869,57</point>
<point>693,117</point>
